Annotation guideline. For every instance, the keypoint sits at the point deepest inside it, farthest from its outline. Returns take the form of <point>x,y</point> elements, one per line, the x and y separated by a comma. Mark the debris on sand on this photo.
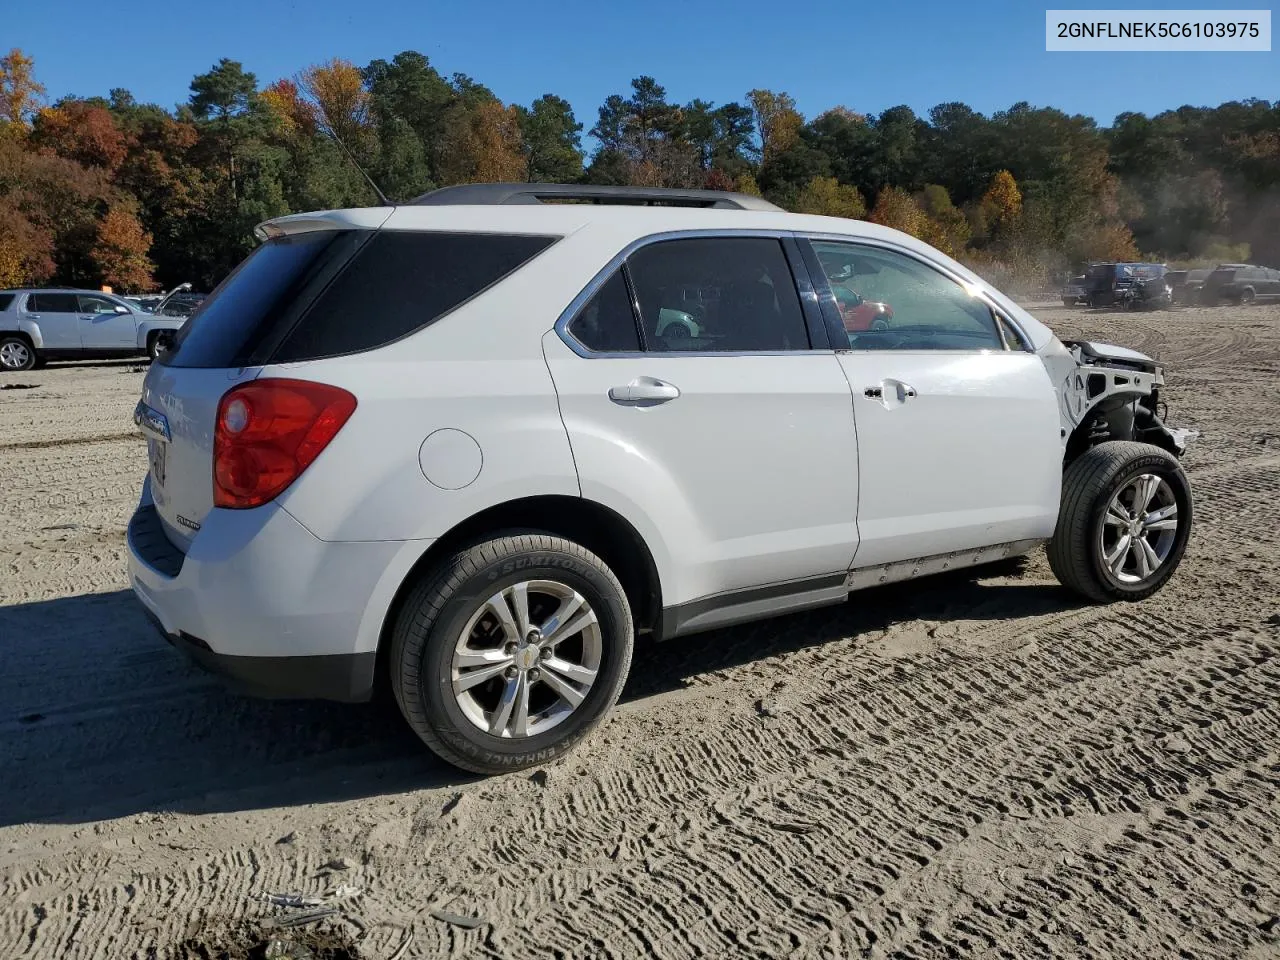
<point>247,941</point>
<point>295,900</point>
<point>404,946</point>
<point>458,920</point>
<point>19,386</point>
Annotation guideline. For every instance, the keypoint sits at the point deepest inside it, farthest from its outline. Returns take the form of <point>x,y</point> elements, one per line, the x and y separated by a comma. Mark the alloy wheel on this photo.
<point>14,355</point>
<point>526,659</point>
<point>1139,528</point>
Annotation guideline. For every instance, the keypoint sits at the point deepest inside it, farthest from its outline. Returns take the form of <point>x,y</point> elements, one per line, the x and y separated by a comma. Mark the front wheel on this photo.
<point>16,354</point>
<point>1124,522</point>
<point>511,652</point>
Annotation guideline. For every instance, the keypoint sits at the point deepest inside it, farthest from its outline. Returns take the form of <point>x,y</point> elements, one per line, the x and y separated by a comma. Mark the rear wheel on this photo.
<point>511,652</point>
<point>1247,296</point>
<point>16,353</point>
<point>1124,522</point>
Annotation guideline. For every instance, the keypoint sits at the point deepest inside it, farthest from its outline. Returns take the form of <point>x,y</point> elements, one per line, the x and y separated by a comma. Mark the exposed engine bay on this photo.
<point>1113,393</point>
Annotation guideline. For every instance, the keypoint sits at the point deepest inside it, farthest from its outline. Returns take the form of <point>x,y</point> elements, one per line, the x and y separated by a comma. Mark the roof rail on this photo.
<point>486,194</point>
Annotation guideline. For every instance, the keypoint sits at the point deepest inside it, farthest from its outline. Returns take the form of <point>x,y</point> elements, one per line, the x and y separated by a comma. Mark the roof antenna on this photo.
<point>381,196</point>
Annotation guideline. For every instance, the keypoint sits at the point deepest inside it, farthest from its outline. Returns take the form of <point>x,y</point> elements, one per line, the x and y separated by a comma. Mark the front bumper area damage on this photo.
<point>1114,394</point>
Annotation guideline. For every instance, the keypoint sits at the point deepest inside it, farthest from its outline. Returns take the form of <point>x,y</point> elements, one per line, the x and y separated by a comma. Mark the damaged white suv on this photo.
<point>471,446</point>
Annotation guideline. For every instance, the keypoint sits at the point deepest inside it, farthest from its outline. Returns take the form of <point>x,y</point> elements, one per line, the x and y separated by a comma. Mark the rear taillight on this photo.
<point>268,432</point>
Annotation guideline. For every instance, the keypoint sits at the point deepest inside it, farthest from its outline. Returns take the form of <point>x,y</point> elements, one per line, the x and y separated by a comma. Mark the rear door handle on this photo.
<point>644,391</point>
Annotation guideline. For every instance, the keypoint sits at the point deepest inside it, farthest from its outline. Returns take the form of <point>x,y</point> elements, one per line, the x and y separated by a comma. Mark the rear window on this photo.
<point>333,292</point>
<point>260,295</point>
<point>400,282</point>
<point>5,300</point>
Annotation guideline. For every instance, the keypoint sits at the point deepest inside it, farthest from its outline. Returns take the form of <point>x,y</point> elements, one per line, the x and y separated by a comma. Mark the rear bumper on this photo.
<point>343,677</point>
<point>260,601</point>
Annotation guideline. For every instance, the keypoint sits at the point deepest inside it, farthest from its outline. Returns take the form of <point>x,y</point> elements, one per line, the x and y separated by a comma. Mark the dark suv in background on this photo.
<point>1127,285</point>
<point>1240,283</point>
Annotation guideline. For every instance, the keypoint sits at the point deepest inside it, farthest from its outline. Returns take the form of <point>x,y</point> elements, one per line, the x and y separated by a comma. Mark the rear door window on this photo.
<point>719,294</point>
<point>5,300</point>
<point>52,303</point>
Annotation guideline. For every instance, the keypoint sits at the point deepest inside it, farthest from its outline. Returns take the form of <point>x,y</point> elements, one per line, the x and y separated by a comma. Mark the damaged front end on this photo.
<point>1111,393</point>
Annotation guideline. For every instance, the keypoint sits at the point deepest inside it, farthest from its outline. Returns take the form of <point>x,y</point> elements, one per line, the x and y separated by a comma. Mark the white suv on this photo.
<point>444,446</point>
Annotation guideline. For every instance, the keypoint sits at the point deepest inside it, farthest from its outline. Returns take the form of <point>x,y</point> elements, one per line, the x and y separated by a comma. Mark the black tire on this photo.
<point>1068,302</point>
<point>20,349</point>
<point>1075,552</point>
<point>1247,296</point>
<point>437,610</point>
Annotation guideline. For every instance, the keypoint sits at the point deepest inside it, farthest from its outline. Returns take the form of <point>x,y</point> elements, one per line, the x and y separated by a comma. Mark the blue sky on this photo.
<point>865,55</point>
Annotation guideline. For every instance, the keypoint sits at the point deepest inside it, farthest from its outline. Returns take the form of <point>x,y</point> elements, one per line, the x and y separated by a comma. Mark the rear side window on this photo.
<point>5,300</point>
<point>401,281</point>
<point>52,303</point>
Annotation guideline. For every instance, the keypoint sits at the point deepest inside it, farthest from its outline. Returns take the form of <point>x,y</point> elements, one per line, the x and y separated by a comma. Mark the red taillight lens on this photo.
<point>268,432</point>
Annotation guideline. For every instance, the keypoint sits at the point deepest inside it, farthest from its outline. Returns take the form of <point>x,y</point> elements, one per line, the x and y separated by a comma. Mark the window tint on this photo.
<point>5,300</point>
<point>607,323</point>
<point>52,303</point>
<point>717,294</point>
<point>91,304</point>
<point>891,301</point>
<point>259,296</point>
<point>398,283</point>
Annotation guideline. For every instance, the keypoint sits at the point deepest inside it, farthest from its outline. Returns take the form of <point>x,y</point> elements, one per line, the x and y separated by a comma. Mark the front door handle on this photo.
<point>889,392</point>
<point>644,392</point>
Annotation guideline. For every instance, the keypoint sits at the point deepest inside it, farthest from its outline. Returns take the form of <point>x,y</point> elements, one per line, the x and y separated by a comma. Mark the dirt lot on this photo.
<point>958,768</point>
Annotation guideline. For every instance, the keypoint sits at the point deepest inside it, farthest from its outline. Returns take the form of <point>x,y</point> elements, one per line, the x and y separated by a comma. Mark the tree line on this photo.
<point>100,190</point>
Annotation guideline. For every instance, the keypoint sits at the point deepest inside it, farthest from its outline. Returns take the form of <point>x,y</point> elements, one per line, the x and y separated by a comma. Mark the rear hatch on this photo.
<point>320,286</point>
<point>224,343</point>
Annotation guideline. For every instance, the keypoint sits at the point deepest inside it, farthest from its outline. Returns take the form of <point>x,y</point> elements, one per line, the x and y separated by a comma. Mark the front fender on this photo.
<point>148,326</point>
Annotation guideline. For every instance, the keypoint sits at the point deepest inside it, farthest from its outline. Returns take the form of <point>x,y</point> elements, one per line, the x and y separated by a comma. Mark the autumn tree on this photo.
<point>84,132</point>
<point>120,252</point>
<point>485,145</point>
<point>777,121</point>
<point>898,209</point>
<point>1001,205</point>
<point>946,227</point>
<point>20,93</point>
<point>746,184</point>
<point>342,105</point>
<point>828,197</point>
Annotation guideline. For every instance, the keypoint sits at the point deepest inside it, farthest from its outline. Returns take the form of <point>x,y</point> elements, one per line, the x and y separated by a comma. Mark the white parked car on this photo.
<point>443,446</point>
<point>65,324</point>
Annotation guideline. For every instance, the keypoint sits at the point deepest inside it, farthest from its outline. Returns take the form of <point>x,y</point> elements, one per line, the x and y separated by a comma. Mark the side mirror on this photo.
<point>122,309</point>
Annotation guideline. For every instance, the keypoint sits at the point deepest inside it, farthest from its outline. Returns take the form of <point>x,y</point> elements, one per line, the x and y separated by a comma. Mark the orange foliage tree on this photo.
<point>83,132</point>
<point>120,252</point>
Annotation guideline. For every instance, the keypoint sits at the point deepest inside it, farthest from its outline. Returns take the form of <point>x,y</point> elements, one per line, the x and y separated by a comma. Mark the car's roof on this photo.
<point>563,219</point>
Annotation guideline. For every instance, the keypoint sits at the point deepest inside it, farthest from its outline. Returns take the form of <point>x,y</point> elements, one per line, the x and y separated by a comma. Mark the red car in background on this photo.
<point>859,314</point>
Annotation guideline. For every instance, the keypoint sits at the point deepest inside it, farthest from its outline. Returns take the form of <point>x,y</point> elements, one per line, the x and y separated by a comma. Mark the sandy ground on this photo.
<point>957,768</point>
